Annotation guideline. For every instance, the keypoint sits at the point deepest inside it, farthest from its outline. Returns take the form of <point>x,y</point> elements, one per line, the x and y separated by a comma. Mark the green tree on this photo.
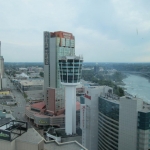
<point>41,74</point>
<point>25,95</point>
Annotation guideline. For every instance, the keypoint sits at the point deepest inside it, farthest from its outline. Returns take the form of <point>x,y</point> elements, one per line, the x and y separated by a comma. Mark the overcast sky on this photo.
<point>104,30</point>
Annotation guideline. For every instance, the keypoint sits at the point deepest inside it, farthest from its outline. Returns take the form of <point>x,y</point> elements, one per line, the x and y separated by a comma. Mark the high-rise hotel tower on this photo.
<point>1,64</point>
<point>56,45</point>
<point>1,68</point>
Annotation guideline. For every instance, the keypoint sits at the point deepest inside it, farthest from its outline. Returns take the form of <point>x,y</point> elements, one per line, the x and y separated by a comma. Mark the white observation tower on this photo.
<point>70,74</point>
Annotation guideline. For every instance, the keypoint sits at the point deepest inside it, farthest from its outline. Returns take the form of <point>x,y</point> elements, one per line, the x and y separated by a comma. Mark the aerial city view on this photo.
<point>74,75</point>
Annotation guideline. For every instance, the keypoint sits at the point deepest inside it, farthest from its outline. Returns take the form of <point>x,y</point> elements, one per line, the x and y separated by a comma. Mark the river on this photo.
<point>138,86</point>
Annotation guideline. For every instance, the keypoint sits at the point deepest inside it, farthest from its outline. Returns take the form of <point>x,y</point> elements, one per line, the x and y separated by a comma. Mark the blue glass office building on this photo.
<point>143,130</point>
<point>108,124</point>
<point>123,124</point>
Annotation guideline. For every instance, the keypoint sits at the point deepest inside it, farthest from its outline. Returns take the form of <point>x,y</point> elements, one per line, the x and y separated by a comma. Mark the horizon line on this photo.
<point>83,62</point>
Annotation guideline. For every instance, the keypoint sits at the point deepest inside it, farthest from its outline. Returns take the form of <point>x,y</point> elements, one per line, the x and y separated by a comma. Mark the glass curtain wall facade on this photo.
<point>108,124</point>
<point>143,131</point>
<point>63,51</point>
<point>70,69</point>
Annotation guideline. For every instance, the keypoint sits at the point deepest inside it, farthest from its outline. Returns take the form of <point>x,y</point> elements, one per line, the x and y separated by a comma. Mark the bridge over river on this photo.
<point>145,74</point>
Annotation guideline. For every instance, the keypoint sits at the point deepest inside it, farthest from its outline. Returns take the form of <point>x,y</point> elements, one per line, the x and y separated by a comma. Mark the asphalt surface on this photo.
<point>18,111</point>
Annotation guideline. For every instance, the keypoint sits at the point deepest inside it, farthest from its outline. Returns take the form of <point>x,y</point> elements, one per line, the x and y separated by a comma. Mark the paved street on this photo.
<point>17,111</point>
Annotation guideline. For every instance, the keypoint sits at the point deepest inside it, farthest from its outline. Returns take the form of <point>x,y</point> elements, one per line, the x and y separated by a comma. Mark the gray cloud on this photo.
<point>105,31</point>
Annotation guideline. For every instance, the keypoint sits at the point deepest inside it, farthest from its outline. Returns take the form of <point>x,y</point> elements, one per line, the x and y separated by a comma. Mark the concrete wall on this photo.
<point>41,121</point>
<point>92,118</point>
<point>4,92</point>
<point>21,145</point>
<point>41,145</point>
<point>32,88</point>
<point>4,83</point>
<point>128,123</point>
<point>6,145</point>
<point>75,138</point>
<point>51,99</point>
<point>50,71</point>
<point>0,83</point>
<point>46,66</point>
<point>2,66</point>
<point>53,63</point>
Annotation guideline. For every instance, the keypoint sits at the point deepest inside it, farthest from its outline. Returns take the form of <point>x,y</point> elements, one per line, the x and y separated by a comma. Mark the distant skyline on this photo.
<point>105,31</point>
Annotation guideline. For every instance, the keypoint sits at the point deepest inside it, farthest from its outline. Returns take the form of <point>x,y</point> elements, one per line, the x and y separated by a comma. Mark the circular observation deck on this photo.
<point>70,70</point>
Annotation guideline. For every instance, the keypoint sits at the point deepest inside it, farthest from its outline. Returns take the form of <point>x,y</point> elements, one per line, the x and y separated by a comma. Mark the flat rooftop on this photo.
<point>73,145</point>
<point>31,136</point>
<point>146,107</point>
<point>4,121</point>
<point>39,105</point>
<point>111,97</point>
<point>6,98</point>
<point>13,129</point>
<point>35,95</point>
<point>31,82</point>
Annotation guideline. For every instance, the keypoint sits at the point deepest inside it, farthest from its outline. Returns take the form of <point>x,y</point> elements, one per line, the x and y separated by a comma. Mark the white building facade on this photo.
<point>89,115</point>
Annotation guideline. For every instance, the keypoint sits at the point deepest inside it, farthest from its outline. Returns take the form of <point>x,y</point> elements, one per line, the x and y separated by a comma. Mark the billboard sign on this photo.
<point>46,47</point>
<point>83,123</point>
<point>86,95</point>
<point>67,35</point>
<point>41,121</point>
<point>83,116</point>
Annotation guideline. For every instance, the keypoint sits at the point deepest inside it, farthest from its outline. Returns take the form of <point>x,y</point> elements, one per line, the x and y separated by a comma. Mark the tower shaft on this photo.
<point>70,111</point>
<point>70,74</point>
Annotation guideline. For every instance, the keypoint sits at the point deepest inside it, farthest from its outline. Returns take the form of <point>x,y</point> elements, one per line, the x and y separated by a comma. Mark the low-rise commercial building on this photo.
<point>7,99</point>
<point>39,69</point>
<point>23,70</point>
<point>35,96</point>
<point>4,92</point>
<point>43,117</point>
<point>34,75</point>
<point>22,76</point>
<point>30,85</point>
<point>35,69</point>
<point>5,116</point>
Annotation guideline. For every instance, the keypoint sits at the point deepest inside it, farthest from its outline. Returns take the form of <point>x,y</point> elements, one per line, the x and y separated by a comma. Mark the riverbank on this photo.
<point>138,86</point>
<point>120,83</point>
